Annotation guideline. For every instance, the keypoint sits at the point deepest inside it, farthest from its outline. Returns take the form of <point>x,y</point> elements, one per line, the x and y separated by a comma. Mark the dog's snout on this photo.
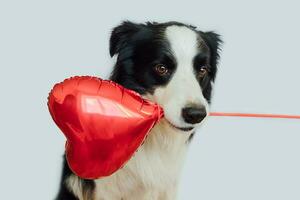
<point>193,114</point>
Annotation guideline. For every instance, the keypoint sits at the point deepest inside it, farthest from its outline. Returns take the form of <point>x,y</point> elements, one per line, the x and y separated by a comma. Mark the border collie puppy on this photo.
<point>173,64</point>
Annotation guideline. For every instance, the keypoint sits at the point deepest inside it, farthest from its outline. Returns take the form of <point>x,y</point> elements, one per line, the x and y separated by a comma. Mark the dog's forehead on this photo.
<point>184,42</point>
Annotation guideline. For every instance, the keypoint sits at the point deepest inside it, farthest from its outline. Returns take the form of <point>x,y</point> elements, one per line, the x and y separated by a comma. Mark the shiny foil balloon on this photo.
<point>104,123</point>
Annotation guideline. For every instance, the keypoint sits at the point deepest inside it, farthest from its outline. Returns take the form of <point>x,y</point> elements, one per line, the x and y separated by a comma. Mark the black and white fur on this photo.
<point>153,172</point>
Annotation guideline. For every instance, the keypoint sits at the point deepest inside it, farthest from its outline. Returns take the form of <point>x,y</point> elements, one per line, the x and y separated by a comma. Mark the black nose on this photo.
<point>193,114</point>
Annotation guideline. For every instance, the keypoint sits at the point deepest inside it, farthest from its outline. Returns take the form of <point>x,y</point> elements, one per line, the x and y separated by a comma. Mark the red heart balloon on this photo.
<point>104,123</point>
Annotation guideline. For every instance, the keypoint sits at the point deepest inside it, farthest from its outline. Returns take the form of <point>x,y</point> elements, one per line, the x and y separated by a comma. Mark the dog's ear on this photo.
<point>121,35</point>
<point>213,41</point>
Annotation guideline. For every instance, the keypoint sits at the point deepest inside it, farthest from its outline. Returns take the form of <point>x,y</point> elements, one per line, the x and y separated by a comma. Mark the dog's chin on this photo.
<point>186,129</point>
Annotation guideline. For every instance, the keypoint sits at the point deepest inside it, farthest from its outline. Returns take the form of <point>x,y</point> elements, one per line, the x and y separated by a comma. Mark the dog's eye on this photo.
<point>203,71</point>
<point>161,69</point>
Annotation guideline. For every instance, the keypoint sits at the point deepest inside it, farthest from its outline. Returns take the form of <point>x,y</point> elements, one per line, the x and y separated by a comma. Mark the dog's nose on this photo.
<point>193,114</point>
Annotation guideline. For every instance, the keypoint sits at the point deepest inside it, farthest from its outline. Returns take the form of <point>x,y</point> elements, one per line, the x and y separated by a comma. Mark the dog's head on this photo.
<point>173,64</point>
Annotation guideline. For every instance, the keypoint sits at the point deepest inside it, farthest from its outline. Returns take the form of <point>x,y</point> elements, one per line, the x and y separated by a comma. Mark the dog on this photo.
<point>174,65</point>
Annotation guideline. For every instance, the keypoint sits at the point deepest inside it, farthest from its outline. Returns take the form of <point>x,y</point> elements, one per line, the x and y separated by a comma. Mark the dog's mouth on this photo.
<point>184,129</point>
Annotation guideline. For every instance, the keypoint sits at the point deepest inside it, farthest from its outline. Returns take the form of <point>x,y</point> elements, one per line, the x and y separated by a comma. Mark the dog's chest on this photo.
<point>156,166</point>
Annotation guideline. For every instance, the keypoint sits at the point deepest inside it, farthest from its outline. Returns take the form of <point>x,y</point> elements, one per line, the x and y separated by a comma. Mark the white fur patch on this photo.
<point>74,184</point>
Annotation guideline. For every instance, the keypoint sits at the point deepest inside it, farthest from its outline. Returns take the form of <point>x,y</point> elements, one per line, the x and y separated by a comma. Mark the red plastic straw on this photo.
<point>257,115</point>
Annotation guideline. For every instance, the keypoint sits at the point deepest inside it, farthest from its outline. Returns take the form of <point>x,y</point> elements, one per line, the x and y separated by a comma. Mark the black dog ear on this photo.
<point>120,35</point>
<point>213,41</point>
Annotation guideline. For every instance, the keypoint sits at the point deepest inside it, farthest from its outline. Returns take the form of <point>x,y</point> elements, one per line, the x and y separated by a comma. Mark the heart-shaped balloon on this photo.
<point>104,123</point>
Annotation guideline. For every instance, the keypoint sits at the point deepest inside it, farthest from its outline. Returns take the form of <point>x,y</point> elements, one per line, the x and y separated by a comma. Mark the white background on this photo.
<point>43,42</point>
